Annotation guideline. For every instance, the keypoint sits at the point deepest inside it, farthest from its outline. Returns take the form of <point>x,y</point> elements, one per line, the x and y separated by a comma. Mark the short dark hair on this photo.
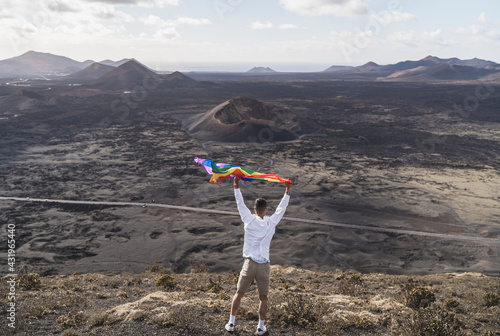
<point>260,205</point>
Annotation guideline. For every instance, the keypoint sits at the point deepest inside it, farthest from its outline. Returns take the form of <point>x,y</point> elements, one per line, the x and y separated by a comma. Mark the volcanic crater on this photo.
<point>245,119</point>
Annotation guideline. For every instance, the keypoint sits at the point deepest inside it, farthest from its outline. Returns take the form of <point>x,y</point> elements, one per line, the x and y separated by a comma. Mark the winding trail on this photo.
<point>484,241</point>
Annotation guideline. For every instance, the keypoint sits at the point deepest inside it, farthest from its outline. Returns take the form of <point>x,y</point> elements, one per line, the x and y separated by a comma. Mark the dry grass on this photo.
<point>301,303</point>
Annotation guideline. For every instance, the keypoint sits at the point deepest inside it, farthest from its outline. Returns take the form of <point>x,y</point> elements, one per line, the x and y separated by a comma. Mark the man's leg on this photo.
<point>263,279</point>
<point>262,307</point>
<point>247,274</point>
<point>236,302</point>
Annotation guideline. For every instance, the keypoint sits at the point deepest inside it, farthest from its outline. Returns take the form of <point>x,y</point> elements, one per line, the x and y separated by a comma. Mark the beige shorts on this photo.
<point>252,270</point>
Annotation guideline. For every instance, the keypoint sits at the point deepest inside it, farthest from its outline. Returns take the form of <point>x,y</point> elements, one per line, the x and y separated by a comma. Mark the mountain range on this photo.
<point>108,74</point>
<point>33,64</point>
<point>430,68</point>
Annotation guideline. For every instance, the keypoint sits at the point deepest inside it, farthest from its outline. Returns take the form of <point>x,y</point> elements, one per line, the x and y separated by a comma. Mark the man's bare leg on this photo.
<point>235,305</point>
<point>262,307</point>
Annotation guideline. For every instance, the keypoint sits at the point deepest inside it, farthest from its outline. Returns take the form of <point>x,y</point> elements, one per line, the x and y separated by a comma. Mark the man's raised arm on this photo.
<point>280,210</point>
<point>245,213</point>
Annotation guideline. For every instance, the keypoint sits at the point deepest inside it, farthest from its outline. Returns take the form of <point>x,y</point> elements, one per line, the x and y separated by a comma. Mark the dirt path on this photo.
<point>484,241</point>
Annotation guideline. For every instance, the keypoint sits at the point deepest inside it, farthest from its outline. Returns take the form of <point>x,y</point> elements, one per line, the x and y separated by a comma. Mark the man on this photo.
<point>259,230</point>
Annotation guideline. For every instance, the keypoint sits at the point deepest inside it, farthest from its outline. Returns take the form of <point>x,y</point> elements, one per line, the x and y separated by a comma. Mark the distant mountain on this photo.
<point>261,70</point>
<point>34,64</point>
<point>475,62</point>
<point>335,68</point>
<point>368,67</point>
<point>115,64</point>
<point>406,65</point>
<point>177,78</point>
<point>93,71</point>
<point>440,71</point>
<point>433,60</point>
<point>127,76</point>
<point>430,68</point>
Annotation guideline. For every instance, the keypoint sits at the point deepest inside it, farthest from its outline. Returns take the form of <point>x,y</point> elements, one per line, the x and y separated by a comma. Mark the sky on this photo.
<point>287,35</point>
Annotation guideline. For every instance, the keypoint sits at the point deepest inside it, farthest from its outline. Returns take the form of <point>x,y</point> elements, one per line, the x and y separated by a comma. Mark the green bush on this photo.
<point>418,297</point>
<point>216,286</point>
<point>166,281</point>
<point>30,281</point>
<point>491,299</point>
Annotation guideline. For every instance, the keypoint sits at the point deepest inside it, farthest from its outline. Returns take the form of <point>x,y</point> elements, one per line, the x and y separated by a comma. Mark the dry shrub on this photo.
<point>236,277</point>
<point>432,322</point>
<point>417,297</point>
<point>102,318</point>
<point>113,282</point>
<point>166,281</point>
<point>351,285</point>
<point>224,296</point>
<point>135,279</point>
<point>46,303</point>
<point>216,286</point>
<point>450,303</point>
<point>72,319</point>
<point>157,268</point>
<point>200,268</point>
<point>180,317</point>
<point>491,299</point>
<point>30,281</point>
<point>298,310</point>
<point>335,325</point>
<point>200,282</point>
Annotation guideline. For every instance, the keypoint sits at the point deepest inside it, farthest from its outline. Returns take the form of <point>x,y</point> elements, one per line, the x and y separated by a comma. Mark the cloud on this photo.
<point>169,33</point>
<point>61,6</point>
<point>143,3</point>
<point>191,21</point>
<point>76,12</point>
<point>482,18</point>
<point>288,26</point>
<point>420,39</point>
<point>340,8</point>
<point>482,30</point>
<point>390,17</point>
<point>5,14</point>
<point>154,20</point>
<point>261,25</point>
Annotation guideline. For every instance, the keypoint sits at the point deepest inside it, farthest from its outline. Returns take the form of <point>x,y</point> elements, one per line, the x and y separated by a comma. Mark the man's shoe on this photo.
<point>229,327</point>
<point>261,331</point>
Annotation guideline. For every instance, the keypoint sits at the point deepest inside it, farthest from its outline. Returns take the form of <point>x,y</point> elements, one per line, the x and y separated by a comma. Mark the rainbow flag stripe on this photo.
<point>222,171</point>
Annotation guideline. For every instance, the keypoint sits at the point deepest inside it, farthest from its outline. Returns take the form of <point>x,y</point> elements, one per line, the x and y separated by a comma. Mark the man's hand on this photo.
<point>288,187</point>
<point>236,181</point>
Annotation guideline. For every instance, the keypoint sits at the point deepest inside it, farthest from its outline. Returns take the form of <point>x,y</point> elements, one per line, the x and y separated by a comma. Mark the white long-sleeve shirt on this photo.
<point>259,231</point>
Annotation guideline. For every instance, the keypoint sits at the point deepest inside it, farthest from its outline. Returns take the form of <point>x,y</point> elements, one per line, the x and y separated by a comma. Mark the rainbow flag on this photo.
<point>222,171</point>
